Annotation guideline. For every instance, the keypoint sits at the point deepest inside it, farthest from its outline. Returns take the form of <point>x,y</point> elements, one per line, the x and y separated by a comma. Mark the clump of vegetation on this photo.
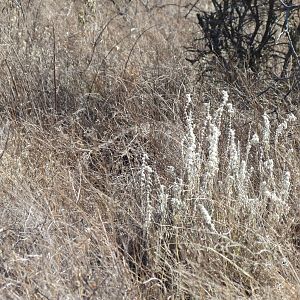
<point>127,175</point>
<point>260,37</point>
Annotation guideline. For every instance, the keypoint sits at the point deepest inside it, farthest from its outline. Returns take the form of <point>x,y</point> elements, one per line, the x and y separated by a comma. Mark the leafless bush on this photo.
<point>261,36</point>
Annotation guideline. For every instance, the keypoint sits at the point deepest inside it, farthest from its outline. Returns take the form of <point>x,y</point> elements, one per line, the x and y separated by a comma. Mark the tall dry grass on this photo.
<point>125,175</point>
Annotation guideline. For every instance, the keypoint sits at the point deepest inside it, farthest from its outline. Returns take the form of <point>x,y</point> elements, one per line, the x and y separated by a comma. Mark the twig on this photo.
<point>97,40</point>
<point>12,78</point>
<point>103,60</point>
<point>186,15</point>
<point>6,142</point>
<point>54,70</point>
<point>133,46</point>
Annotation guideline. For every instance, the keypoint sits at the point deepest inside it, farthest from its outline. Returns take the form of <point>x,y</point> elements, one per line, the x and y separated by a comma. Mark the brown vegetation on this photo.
<point>116,184</point>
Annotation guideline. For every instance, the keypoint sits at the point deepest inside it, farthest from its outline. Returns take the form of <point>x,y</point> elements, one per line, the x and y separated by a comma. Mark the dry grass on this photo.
<point>116,184</point>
